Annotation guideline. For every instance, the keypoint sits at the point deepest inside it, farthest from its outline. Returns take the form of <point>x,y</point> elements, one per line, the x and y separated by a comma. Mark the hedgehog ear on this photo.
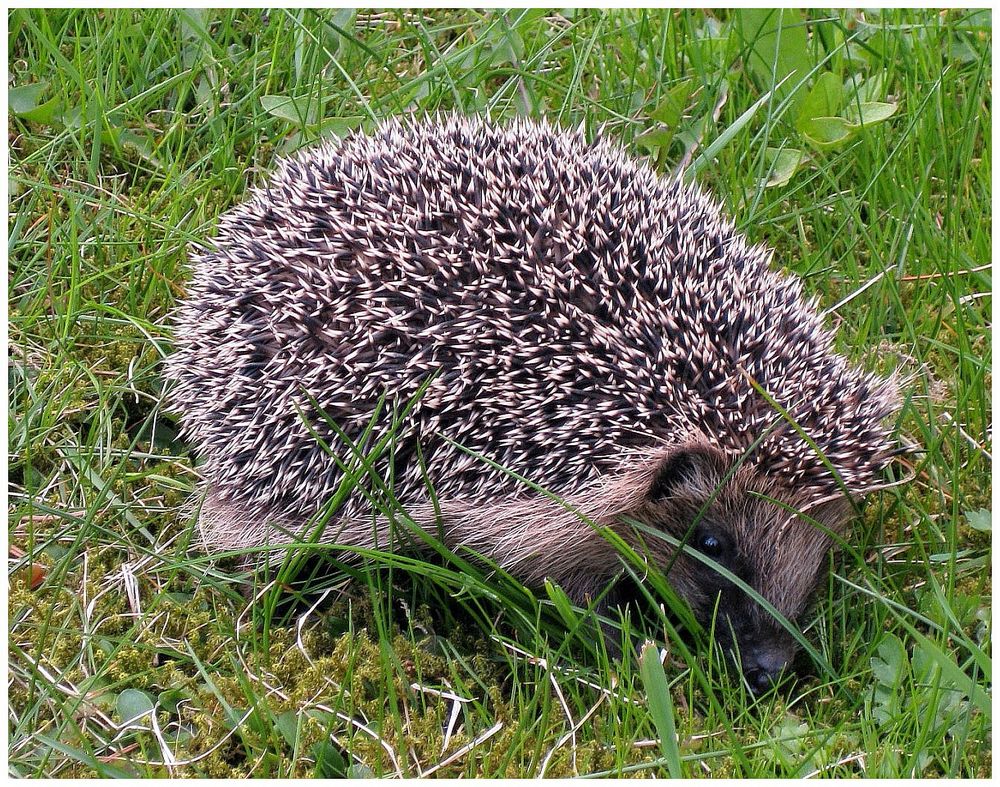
<point>690,465</point>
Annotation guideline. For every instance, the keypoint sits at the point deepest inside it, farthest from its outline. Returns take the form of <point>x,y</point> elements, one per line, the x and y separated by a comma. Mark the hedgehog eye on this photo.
<point>709,545</point>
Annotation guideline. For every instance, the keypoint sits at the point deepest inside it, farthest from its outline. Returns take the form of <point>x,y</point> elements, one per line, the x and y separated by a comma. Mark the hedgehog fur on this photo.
<point>564,313</point>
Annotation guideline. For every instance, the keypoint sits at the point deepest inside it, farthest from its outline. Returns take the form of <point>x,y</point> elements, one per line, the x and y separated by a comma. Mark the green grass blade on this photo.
<point>661,707</point>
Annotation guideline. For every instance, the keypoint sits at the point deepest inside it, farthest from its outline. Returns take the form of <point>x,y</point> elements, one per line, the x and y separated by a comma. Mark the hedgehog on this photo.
<point>567,345</point>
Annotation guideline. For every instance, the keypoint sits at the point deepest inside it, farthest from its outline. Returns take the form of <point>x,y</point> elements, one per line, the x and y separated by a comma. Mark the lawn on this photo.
<point>856,144</point>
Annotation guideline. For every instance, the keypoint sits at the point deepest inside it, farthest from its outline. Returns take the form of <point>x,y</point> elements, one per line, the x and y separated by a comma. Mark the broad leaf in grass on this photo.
<point>890,667</point>
<point>871,89</point>
<point>671,108</point>
<point>869,113</point>
<point>655,139</point>
<point>298,111</point>
<point>825,132</point>
<point>343,20</point>
<point>24,102</point>
<point>339,126</point>
<point>330,763</point>
<point>981,520</point>
<point>845,52</point>
<point>133,704</point>
<point>26,97</point>
<point>783,163</point>
<point>287,725</point>
<point>825,98</point>
<point>790,745</point>
<point>169,699</point>
<point>779,48</point>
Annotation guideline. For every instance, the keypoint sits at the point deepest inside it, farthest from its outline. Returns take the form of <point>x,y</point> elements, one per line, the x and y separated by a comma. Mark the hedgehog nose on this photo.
<point>760,680</point>
<point>763,667</point>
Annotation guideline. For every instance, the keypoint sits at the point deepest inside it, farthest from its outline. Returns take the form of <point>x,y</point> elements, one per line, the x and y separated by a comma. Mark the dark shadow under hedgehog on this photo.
<point>591,326</point>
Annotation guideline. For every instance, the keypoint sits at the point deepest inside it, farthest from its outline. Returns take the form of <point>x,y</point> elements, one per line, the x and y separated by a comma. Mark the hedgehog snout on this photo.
<point>761,652</point>
<point>763,664</point>
<point>760,648</point>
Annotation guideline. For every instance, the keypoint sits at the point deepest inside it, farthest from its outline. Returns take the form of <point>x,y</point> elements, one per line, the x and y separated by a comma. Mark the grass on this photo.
<point>130,653</point>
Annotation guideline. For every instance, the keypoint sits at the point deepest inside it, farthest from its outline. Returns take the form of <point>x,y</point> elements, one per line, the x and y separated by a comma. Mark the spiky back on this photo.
<point>570,304</point>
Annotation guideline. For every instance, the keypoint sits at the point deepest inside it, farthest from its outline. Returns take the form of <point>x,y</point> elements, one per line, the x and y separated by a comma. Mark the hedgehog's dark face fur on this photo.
<point>746,523</point>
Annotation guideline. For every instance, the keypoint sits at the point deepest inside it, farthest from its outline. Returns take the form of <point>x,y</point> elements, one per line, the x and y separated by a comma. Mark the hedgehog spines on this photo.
<point>571,304</point>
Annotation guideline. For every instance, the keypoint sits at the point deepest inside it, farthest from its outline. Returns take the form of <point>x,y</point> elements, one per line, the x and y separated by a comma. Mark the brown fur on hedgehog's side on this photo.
<point>584,323</point>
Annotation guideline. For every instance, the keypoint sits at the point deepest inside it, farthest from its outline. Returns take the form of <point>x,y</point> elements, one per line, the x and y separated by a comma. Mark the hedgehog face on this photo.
<point>738,524</point>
